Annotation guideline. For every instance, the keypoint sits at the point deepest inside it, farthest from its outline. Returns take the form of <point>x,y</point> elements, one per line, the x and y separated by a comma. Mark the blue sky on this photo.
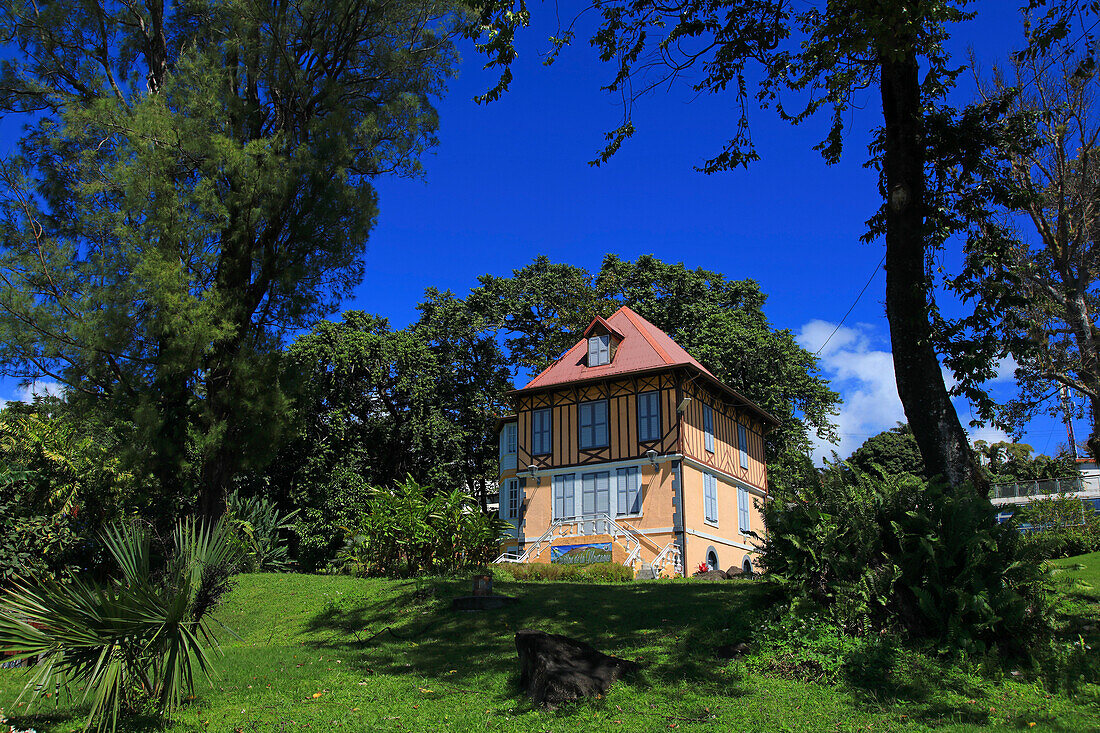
<point>510,181</point>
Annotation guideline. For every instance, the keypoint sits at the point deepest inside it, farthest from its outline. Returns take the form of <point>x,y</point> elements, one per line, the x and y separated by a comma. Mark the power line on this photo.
<point>861,292</point>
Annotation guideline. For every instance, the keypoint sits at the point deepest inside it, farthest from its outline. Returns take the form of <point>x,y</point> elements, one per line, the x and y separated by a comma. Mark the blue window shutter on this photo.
<point>743,510</point>
<point>743,445</point>
<point>649,417</point>
<point>708,428</point>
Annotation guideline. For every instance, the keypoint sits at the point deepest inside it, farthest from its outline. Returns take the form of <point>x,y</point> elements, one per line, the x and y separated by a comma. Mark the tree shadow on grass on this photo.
<point>55,721</point>
<point>671,628</point>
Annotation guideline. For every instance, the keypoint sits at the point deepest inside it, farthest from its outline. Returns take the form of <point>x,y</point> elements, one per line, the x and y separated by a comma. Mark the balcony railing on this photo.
<point>1027,490</point>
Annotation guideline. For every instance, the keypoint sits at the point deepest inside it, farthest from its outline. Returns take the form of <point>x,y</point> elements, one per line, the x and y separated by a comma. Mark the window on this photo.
<point>712,559</point>
<point>540,432</point>
<point>708,428</point>
<point>628,490</point>
<point>743,445</point>
<point>564,486</point>
<point>710,498</point>
<point>649,417</point>
<point>595,493</point>
<point>510,431</point>
<point>593,424</point>
<point>513,499</point>
<point>599,350</point>
<point>742,510</point>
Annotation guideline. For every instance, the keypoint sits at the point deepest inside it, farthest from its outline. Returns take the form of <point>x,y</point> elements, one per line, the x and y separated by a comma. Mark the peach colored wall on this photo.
<point>657,509</point>
<point>727,528</point>
<point>726,455</point>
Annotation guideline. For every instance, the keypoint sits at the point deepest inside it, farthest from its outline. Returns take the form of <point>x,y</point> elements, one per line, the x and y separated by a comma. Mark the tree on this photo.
<point>828,50</point>
<point>719,321</point>
<point>1010,462</point>
<point>541,308</point>
<point>471,386</point>
<point>1036,296</point>
<point>193,184</point>
<point>890,453</point>
<point>374,406</point>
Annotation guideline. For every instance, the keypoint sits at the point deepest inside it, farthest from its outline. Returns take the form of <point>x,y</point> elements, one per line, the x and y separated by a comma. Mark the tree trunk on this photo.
<point>940,437</point>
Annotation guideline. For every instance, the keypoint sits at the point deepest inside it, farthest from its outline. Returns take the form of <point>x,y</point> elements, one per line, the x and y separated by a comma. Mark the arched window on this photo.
<point>746,565</point>
<point>712,558</point>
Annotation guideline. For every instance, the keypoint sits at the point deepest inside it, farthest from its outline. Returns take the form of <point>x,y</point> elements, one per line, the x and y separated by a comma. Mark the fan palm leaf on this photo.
<point>146,631</point>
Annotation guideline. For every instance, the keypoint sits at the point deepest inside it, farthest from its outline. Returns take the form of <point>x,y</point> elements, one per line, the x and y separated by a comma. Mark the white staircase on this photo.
<point>626,537</point>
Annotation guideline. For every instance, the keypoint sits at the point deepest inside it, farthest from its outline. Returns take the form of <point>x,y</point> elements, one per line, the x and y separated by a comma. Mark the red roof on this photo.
<point>603,322</point>
<point>644,347</point>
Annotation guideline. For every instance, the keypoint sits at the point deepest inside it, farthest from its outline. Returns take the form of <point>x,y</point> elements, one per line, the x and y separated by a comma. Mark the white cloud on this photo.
<point>857,362</point>
<point>989,434</point>
<point>26,392</point>
<point>863,374</point>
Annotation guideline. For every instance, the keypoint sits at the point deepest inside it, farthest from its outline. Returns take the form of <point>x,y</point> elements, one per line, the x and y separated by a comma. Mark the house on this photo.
<point>628,449</point>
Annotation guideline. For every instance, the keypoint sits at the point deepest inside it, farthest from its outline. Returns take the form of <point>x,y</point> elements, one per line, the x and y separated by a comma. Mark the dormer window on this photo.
<point>599,350</point>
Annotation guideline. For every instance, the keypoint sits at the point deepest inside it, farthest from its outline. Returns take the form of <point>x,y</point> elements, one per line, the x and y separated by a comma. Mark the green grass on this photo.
<point>321,653</point>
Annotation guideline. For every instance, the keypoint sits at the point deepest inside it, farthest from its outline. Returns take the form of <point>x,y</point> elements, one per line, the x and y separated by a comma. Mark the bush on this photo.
<point>405,531</point>
<point>601,572</point>
<point>320,532</point>
<point>1063,526</point>
<point>909,556</point>
<point>132,643</point>
<point>58,487</point>
<point>802,647</point>
<point>260,530</point>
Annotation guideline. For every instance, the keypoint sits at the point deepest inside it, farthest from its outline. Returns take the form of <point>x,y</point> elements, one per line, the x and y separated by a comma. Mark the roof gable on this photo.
<point>643,347</point>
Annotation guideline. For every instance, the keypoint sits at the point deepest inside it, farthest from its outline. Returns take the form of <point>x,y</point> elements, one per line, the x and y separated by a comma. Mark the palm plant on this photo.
<point>133,641</point>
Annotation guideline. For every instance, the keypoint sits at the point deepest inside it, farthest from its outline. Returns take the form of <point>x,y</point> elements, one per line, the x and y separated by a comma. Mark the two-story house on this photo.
<point>627,449</point>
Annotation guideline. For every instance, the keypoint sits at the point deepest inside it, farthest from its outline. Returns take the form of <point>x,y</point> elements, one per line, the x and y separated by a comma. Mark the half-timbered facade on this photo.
<point>627,448</point>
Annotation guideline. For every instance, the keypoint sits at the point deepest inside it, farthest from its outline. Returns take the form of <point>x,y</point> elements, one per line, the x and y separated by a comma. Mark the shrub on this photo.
<point>1062,526</point>
<point>260,529</point>
<point>320,532</point>
<point>58,487</point>
<point>130,643</point>
<point>601,572</point>
<point>802,647</point>
<point>901,554</point>
<point>405,531</point>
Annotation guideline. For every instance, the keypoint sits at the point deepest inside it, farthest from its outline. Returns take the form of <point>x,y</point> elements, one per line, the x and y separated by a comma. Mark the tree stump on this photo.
<point>555,669</point>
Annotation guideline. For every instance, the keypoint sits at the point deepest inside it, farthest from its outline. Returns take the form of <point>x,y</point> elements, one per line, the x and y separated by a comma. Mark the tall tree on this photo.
<point>374,406</point>
<point>194,183</point>
<point>1036,295</point>
<point>828,50</point>
<point>470,390</point>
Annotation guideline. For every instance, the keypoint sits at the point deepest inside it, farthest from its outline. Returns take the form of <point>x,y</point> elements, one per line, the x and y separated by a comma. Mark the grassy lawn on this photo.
<point>324,653</point>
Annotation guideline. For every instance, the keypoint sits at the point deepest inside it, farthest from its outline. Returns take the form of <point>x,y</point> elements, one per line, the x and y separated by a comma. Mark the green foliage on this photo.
<point>901,554</point>
<point>58,486</point>
<point>334,505</point>
<point>1009,462</point>
<point>803,647</point>
<point>260,529</point>
<point>890,453</point>
<point>187,192</point>
<point>373,405</point>
<point>132,642</point>
<point>600,572</point>
<point>407,531</point>
<point>1060,526</point>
